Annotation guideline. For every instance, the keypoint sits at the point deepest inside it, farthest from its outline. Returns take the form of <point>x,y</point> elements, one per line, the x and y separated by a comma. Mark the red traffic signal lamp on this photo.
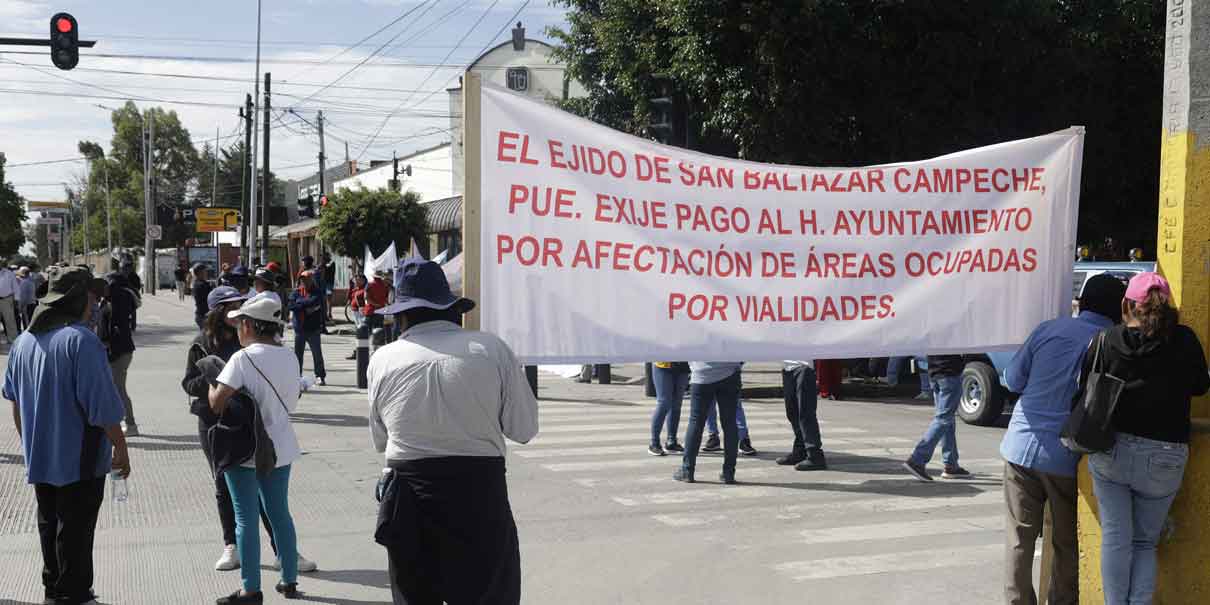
<point>64,41</point>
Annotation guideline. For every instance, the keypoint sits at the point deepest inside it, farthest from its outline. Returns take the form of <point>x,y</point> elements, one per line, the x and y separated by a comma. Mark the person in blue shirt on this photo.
<point>68,413</point>
<point>1038,469</point>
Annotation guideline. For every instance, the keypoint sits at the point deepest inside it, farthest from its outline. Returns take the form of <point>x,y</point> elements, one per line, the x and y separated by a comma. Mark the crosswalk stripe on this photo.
<point>704,461</point>
<point>876,504</point>
<point>640,438</point>
<point>908,529</point>
<point>582,428</point>
<point>645,412</point>
<point>917,560</point>
<point>639,447</point>
<point>830,476</point>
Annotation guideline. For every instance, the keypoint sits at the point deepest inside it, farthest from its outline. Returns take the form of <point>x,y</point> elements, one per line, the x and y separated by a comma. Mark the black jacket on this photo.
<point>239,436</point>
<point>196,384</point>
<point>1161,377</point>
<point>945,365</point>
<point>117,316</point>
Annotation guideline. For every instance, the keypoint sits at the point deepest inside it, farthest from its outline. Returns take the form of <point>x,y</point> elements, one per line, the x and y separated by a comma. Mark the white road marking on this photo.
<point>869,470</point>
<point>898,562</point>
<point>876,504</point>
<point>583,428</point>
<point>907,529</point>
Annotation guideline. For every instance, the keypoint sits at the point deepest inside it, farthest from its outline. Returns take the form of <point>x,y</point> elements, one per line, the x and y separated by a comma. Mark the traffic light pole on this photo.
<point>148,204</point>
<point>323,180</point>
<point>267,186</point>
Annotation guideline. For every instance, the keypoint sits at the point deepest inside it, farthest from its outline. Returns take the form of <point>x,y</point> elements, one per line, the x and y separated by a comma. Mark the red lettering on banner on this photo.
<point>698,307</point>
<point>507,142</point>
<point>552,201</point>
<point>1035,183</point>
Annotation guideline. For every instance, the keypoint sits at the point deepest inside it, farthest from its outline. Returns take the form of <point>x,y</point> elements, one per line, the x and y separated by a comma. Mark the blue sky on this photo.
<point>302,45</point>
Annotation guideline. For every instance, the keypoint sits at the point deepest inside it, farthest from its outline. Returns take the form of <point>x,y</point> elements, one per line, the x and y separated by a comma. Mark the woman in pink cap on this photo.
<point>1136,481</point>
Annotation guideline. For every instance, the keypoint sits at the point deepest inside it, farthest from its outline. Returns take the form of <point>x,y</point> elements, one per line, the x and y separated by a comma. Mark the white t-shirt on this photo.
<point>280,366</point>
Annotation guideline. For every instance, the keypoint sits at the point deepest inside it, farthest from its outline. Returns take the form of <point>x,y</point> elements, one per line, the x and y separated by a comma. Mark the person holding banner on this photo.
<point>712,382</point>
<point>802,405</point>
<point>945,371</point>
<point>442,401</point>
<point>671,378</point>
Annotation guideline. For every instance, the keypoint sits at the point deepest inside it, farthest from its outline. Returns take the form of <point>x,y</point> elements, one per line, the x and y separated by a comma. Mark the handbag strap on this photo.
<point>270,382</point>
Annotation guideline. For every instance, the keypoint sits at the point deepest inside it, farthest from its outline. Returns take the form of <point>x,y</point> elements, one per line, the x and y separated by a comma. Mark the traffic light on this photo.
<point>64,41</point>
<point>306,206</point>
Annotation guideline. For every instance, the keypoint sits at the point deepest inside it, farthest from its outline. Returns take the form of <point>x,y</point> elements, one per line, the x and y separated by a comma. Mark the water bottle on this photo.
<point>120,490</point>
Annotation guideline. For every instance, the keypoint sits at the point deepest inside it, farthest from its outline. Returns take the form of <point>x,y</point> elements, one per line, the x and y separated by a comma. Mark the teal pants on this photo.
<point>273,491</point>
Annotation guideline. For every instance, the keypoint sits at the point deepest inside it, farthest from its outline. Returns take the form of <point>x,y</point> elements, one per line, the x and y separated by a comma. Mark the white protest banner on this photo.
<point>597,246</point>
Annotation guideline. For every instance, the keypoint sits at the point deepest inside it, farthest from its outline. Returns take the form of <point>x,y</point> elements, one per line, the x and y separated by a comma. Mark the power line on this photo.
<point>426,78</point>
<point>282,61</point>
<point>44,162</point>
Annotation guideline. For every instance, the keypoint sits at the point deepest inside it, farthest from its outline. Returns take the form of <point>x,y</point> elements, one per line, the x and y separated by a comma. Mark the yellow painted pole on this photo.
<point>1183,255</point>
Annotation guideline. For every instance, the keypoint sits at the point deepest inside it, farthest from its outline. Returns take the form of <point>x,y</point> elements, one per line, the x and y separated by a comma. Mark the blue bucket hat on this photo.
<point>422,283</point>
<point>223,294</point>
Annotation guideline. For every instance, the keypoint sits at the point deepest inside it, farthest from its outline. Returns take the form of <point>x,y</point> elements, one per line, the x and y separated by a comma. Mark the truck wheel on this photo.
<point>982,398</point>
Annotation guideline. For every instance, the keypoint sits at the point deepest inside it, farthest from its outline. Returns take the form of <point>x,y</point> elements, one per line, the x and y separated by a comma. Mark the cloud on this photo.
<point>25,18</point>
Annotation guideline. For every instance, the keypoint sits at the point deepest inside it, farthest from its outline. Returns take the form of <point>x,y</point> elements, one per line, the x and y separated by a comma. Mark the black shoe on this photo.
<point>352,355</point>
<point>955,472</point>
<point>745,447</point>
<point>321,381</point>
<point>794,457</point>
<point>812,463</point>
<point>236,599</point>
<point>673,447</point>
<point>918,471</point>
<point>683,476</point>
<point>290,591</point>
<point>728,478</point>
<point>655,450</point>
<point>712,444</point>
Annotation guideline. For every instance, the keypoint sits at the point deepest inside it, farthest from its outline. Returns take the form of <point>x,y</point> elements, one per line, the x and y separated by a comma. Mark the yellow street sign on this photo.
<point>211,220</point>
<point>35,206</point>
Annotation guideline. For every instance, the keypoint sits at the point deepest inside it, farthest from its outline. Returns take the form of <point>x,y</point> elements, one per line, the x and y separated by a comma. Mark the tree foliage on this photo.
<point>355,218</point>
<point>858,82</point>
<point>12,214</point>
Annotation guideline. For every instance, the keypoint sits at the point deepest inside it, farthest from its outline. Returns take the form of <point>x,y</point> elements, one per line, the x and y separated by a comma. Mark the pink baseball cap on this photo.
<point>1144,283</point>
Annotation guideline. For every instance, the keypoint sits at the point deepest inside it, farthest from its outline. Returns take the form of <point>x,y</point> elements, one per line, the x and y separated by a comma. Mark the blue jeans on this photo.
<point>947,393</point>
<point>702,398</point>
<point>894,368</point>
<point>273,492</point>
<point>670,393</point>
<point>922,367</point>
<point>741,421</point>
<point>1135,484</point>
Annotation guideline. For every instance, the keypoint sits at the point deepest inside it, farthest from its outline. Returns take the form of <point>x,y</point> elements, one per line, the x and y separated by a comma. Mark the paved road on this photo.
<point>601,521</point>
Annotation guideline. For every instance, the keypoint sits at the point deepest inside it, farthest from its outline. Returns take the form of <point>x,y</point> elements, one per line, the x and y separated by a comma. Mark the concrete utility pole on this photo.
<point>267,188</point>
<point>255,145</point>
<point>1183,256</point>
<point>108,221</point>
<point>323,189</point>
<point>148,202</point>
<point>245,194</point>
<point>214,183</point>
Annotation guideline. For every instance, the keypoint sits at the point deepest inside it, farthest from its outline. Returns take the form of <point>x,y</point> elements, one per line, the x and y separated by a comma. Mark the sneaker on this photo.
<point>955,472</point>
<point>236,598</point>
<point>683,475</point>
<point>229,560</point>
<point>727,478</point>
<point>655,450</point>
<point>130,430</point>
<point>290,591</point>
<point>712,444</point>
<point>917,470</point>
<point>320,380</point>
<point>674,447</point>
<point>794,457</point>
<point>745,447</point>
<point>305,565</point>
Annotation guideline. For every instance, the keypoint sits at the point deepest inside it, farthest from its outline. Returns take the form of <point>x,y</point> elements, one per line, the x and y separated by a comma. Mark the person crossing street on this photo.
<point>307,313</point>
<point>945,372</point>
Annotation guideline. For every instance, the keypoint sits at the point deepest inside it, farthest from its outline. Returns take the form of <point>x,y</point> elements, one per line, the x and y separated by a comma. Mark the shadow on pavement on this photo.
<point>330,391</point>
<point>12,602</point>
<point>331,419</point>
<point>333,600</point>
<point>592,402</point>
<point>895,487</point>
<point>376,578</point>
<point>136,443</point>
<point>162,331</point>
<point>171,438</point>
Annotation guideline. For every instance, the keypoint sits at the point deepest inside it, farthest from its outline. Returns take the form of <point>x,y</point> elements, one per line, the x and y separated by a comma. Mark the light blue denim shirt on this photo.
<point>1045,372</point>
<point>710,372</point>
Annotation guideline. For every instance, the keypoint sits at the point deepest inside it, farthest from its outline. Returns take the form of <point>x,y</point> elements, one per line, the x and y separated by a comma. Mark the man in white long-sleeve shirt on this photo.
<point>8,305</point>
<point>442,400</point>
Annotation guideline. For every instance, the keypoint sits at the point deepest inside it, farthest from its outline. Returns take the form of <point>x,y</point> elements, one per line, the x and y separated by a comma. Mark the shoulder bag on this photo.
<point>1087,430</point>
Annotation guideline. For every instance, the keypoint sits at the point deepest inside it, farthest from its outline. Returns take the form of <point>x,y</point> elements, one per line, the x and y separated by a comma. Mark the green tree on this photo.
<point>12,215</point>
<point>355,218</point>
<point>856,82</point>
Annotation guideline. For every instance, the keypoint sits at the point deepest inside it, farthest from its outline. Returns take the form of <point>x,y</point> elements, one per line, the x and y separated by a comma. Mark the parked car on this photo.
<point>984,397</point>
